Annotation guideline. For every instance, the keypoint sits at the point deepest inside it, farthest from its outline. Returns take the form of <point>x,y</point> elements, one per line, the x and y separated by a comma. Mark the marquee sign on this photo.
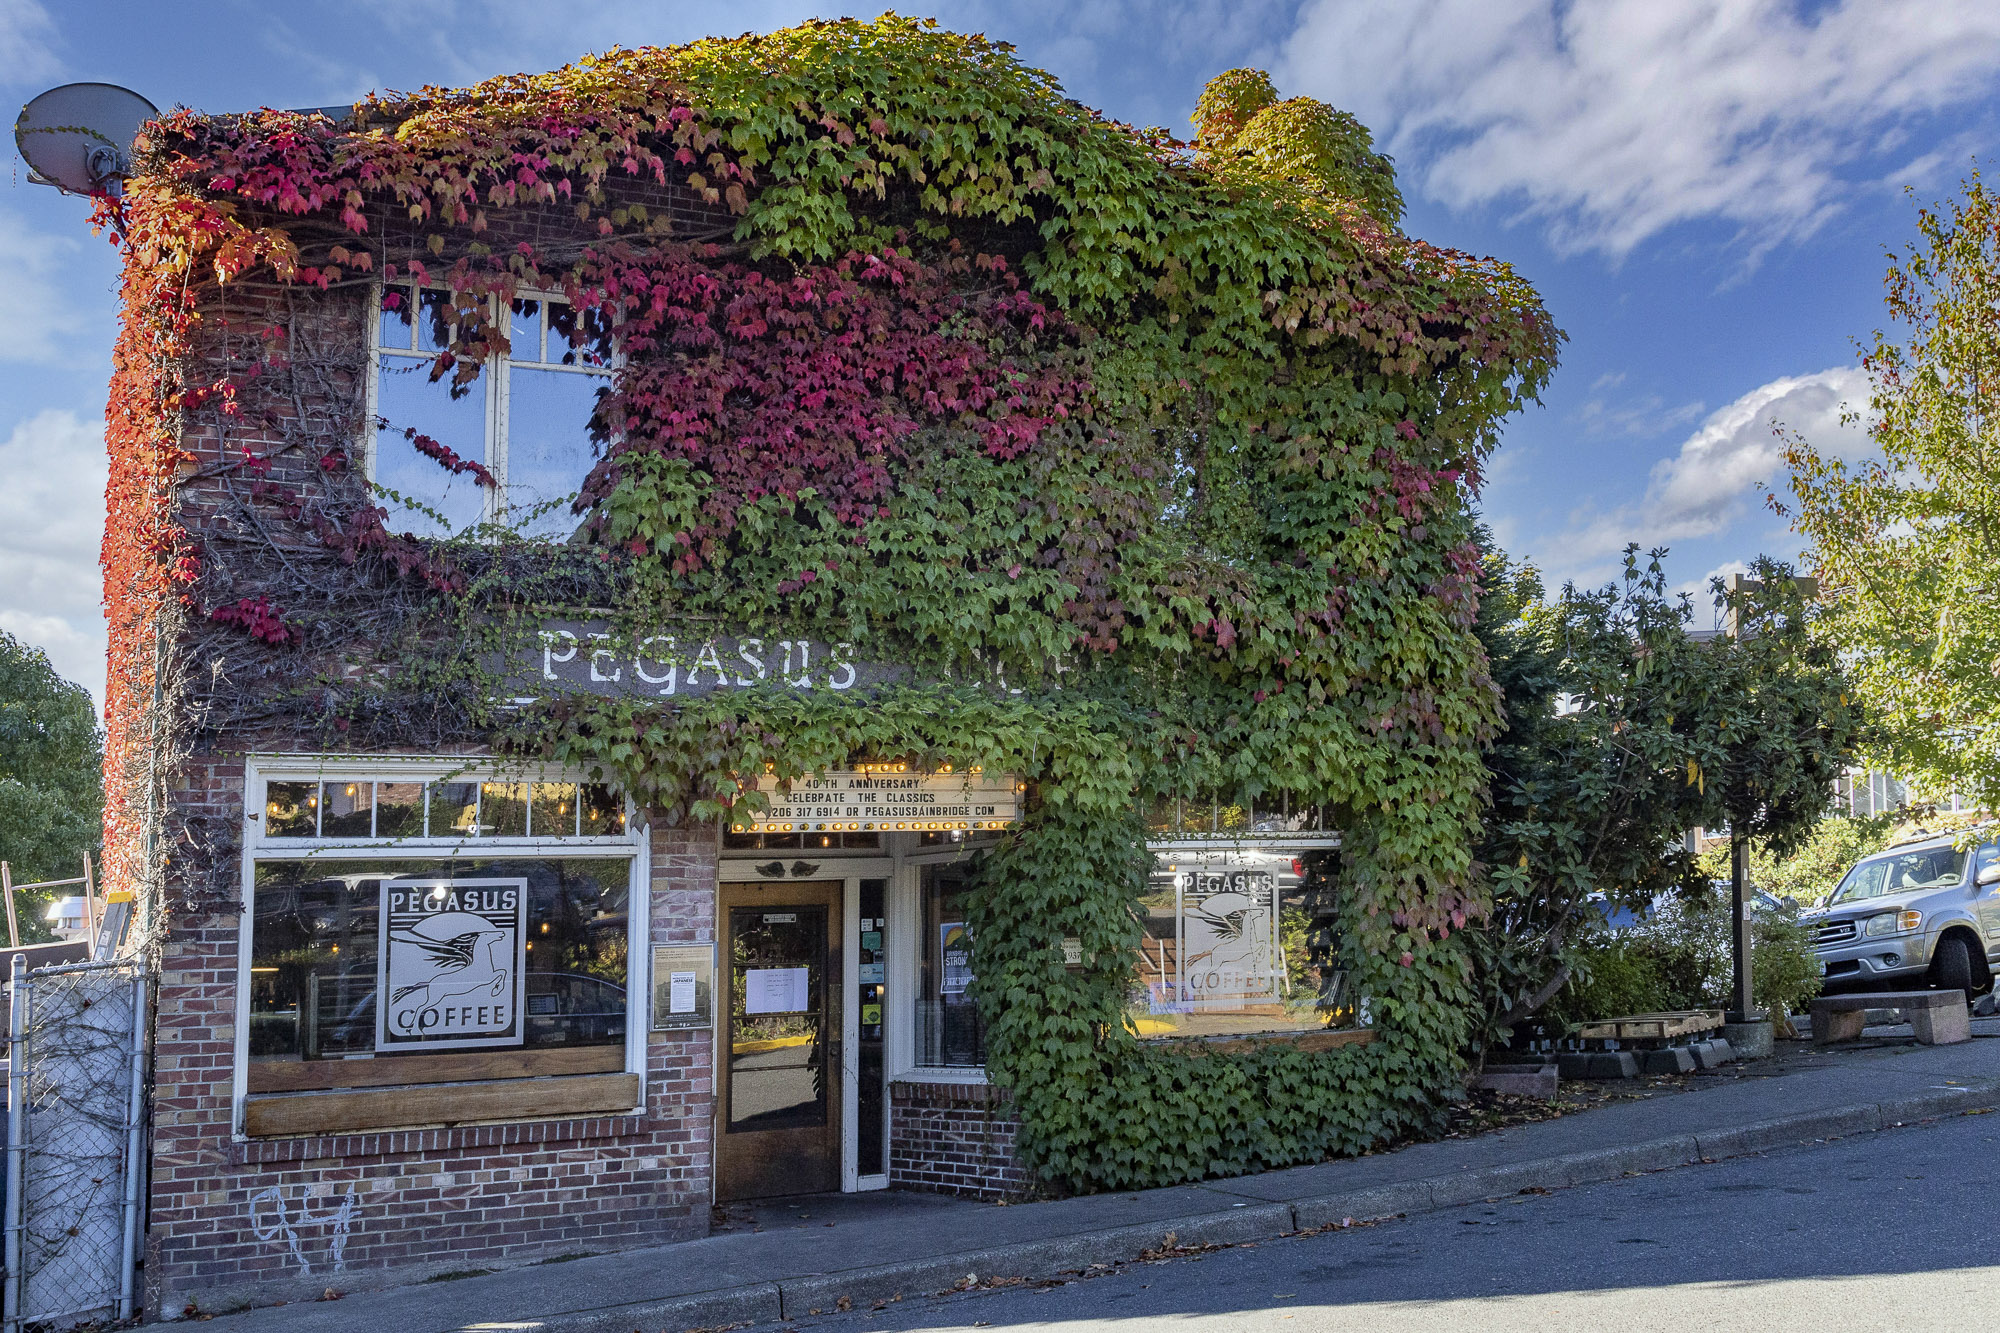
<point>588,656</point>
<point>451,964</point>
<point>887,798</point>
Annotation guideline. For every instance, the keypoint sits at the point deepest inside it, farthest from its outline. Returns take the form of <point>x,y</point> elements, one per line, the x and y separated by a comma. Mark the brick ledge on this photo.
<point>397,1143</point>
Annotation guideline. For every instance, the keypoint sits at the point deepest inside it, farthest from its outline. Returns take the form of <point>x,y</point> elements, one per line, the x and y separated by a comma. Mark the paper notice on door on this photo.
<point>774,990</point>
<point>680,992</point>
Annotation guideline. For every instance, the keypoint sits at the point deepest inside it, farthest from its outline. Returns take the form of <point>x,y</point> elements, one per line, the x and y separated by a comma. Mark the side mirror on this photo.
<point>1989,874</point>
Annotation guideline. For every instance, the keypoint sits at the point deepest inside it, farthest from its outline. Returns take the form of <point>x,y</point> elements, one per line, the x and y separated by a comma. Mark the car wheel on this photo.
<point>1951,965</point>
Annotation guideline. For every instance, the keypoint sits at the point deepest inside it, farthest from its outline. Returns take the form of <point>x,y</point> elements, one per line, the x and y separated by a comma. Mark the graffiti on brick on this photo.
<point>271,1220</point>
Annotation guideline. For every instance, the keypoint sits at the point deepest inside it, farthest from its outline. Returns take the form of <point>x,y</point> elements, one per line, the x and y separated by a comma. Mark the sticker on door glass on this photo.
<point>451,963</point>
<point>774,990</point>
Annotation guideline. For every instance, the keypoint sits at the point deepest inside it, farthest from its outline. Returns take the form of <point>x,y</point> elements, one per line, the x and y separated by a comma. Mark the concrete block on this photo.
<point>1941,1025</point>
<point>1672,1060</point>
<point>1713,1053</point>
<point>1750,1041</point>
<point>1832,1025</point>
<point>1519,1080</point>
<point>1597,1064</point>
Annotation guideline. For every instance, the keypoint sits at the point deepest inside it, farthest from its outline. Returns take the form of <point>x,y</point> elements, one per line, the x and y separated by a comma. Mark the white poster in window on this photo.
<point>1227,919</point>
<point>955,953</point>
<point>775,990</point>
<point>451,964</point>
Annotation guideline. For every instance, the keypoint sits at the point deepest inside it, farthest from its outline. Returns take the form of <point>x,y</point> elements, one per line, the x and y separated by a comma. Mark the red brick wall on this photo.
<point>232,1223</point>
<point>954,1138</point>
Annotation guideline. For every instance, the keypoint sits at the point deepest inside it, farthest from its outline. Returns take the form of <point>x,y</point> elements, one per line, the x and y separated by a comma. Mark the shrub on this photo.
<point>1680,958</point>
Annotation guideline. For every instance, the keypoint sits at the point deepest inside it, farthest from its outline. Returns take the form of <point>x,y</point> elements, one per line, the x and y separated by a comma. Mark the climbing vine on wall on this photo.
<point>1151,460</point>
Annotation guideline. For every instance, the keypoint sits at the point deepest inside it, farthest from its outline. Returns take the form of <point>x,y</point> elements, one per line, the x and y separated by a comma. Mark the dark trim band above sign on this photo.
<point>588,657</point>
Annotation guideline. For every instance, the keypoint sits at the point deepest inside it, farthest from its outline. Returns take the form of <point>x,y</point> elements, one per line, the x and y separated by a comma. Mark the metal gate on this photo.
<point>75,1108</point>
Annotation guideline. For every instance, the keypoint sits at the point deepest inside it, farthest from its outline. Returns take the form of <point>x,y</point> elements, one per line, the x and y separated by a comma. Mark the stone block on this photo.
<point>1519,1080</point>
<point>1832,1025</point>
<point>1672,1060</point>
<point>1750,1041</point>
<point>1597,1064</point>
<point>1713,1053</point>
<point>1941,1025</point>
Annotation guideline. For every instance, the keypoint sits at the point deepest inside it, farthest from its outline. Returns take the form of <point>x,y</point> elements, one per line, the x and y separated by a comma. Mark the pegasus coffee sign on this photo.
<point>1227,939</point>
<point>451,969</point>
<point>589,657</point>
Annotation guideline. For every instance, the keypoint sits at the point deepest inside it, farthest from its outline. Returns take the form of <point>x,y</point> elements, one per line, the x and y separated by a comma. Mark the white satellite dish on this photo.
<point>78,137</point>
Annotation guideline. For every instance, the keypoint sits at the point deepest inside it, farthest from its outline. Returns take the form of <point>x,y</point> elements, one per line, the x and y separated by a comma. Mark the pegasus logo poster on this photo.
<point>451,969</point>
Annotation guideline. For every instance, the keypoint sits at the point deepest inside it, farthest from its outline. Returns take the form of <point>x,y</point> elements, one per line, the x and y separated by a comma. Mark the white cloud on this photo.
<point>52,475</point>
<point>37,307</point>
<point>1703,488</point>
<point>1613,120</point>
<point>1711,483</point>
<point>27,40</point>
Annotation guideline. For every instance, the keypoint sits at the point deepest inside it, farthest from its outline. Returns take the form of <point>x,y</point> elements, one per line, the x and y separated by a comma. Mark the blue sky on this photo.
<point>1701,189</point>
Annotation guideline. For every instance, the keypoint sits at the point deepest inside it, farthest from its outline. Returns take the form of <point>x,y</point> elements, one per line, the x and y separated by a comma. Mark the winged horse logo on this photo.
<point>446,956</point>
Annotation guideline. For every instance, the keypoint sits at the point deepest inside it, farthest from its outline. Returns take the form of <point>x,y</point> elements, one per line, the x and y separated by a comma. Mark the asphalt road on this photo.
<point>1893,1231</point>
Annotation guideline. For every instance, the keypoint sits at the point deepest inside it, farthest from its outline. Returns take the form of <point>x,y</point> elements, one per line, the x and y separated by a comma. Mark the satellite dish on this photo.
<point>78,137</point>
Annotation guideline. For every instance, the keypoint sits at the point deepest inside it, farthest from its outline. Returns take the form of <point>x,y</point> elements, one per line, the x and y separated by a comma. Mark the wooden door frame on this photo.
<point>830,894</point>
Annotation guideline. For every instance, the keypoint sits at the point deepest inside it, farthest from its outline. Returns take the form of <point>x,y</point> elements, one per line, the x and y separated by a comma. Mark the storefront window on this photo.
<point>453,808</point>
<point>950,1033</point>
<point>1237,940</point>
<point>492,956</point>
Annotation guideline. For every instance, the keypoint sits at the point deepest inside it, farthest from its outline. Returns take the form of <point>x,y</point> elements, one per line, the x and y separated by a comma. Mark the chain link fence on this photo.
<point>74,1151</point>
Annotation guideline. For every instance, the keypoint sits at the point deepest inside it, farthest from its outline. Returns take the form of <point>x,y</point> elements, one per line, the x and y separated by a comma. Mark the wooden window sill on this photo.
<point>1305,1041</point>
<point>407,1070</point>
<point>351,1111</point>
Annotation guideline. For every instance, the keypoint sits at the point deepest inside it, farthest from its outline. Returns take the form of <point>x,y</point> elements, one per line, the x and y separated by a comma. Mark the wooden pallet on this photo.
<point>1653,1027</point>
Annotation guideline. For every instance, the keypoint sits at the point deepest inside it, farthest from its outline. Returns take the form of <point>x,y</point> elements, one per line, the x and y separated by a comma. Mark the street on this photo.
<point>1887,1231</point>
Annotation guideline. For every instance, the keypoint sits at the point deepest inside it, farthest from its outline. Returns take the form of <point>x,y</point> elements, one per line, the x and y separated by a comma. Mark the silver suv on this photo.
<point>1921,912</point>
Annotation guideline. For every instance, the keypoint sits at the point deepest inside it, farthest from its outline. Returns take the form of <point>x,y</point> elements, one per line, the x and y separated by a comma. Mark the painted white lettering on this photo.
<point>708,659</point>
<point>754,660</point>
<point>617,673</point>
<point>841,661</point>
<point>803,681</point>
<point>666,682</point>
<point>550,656</point>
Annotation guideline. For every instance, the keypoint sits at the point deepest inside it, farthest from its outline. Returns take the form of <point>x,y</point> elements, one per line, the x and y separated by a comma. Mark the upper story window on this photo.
<point>526,419</point>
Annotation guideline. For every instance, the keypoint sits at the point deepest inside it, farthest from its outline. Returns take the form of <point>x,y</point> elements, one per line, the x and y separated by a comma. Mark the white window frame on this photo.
<point>495,373</point>
<point>631,846</point>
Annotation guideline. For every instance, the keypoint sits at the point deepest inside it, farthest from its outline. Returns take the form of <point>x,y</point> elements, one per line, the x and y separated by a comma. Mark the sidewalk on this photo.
<point>806,1255</point>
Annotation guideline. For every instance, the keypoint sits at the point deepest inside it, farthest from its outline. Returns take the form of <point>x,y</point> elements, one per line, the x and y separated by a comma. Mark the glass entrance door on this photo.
<point>778,1127</point>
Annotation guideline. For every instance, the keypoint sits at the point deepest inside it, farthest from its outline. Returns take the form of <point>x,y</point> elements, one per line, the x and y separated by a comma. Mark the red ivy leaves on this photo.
<point>258,618</point>
<point>772,385</point>
<point>444,455</point>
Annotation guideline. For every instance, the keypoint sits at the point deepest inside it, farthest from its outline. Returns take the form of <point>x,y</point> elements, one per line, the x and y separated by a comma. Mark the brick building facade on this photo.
<point>364,1071</point>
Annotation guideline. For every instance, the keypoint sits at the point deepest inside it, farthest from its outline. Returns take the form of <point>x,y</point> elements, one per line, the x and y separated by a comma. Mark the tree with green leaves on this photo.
<point>1624,731</point>
<point>51,772</point>
<point>1777,726</point>
<point>1906,545</point>
<point>1589,781</point>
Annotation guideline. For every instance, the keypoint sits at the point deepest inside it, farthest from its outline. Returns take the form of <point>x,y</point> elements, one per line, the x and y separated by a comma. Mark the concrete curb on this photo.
<point>817,1293</point>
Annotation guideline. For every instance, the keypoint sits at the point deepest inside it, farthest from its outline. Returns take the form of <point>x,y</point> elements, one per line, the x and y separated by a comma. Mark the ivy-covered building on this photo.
<point>786,614</point>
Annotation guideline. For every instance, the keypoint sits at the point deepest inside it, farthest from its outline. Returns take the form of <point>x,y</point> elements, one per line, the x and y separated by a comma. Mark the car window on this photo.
<point>1926,868</point>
